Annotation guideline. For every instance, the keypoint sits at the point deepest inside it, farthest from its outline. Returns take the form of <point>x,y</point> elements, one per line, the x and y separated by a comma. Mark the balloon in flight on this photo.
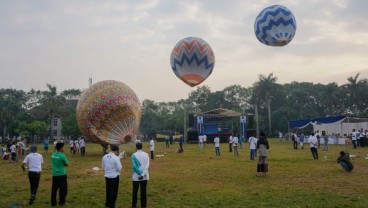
<point>192,60</point>
<point>275,26</point>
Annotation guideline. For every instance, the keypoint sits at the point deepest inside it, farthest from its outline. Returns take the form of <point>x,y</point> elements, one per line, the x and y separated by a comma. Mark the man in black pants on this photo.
<point>59,179</point>
<point>34,161</point>
<point>112,166</point>
<point>140,163</point>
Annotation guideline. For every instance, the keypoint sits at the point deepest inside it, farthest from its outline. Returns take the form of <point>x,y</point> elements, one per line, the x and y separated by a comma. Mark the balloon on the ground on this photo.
<point>275,26</point>
<point>109,112</point>
<point>192,60</point>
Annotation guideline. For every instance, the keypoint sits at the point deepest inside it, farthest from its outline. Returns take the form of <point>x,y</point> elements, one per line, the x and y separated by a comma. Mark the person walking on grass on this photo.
<point>313,142</point>
<point>59,178</point>
<point>112,167</point>
<point>152,148</point>
<point>262,146</point>
<point>140,176</point>
<point>34,161</point>
<point>216,140</point>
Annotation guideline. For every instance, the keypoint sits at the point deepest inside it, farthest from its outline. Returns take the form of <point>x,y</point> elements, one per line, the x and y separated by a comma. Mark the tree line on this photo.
<point>31,113</point>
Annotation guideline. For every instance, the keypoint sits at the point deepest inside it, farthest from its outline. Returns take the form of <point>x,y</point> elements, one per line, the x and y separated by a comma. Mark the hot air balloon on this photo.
<point>192,60</point>
<point>275,26</point>
<point>109,112</point>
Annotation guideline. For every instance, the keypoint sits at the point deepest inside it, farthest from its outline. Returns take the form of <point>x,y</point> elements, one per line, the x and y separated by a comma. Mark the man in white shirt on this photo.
<point>354,138</point>
<point>216,140</point>
<point>252,146</point>
<point>313,142</point>
<point>140,176</point>
<point>204,140</point>
<point>71,145</point>
<point>82,146</point>
<point>152,147</point>
<point>231,143</point>
<point>200,142</point>
<point>235,145</point>
<point>13,150</point>
<point>112,167</point>
<point>34,161</point>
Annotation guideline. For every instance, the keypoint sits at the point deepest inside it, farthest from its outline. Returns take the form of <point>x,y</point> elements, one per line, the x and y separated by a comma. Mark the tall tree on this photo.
<point>53,103</point>
<point>264,91</point>
<point>355,90</point>
<point>12,104</point>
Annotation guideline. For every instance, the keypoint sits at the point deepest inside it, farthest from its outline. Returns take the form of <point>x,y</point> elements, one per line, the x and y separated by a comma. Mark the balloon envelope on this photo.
<point>109,112</point>
<point>275,26</point>
<point>192,60</point>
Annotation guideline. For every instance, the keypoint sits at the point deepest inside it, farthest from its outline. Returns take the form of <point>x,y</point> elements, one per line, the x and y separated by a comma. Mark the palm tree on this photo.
<point>355,93</point>
<point>264,90</point>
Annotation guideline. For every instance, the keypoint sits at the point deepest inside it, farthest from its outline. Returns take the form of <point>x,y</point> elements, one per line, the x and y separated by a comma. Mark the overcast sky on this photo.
<point>63,43</point>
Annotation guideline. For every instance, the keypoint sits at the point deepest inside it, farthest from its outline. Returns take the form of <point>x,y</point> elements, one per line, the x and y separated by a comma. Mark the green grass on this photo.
<point>200,179</point>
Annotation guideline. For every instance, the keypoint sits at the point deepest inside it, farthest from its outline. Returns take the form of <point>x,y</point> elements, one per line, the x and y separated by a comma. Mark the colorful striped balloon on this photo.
<point>192,60</point>
<point>109,112</point>
<point>275,26</point>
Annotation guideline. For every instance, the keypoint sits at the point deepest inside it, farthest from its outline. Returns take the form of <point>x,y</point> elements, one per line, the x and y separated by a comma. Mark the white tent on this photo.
<point>343,127</point>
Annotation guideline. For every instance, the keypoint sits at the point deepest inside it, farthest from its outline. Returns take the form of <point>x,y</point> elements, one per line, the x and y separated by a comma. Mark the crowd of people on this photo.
<point>111,164</point>
<point>140,160</point>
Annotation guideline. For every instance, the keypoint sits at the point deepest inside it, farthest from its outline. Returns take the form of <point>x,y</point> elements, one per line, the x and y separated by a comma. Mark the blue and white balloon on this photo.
<point>275,26</point>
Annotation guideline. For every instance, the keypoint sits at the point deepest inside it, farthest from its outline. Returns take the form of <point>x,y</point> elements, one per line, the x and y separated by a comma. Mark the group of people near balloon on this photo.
<point>111,164</point>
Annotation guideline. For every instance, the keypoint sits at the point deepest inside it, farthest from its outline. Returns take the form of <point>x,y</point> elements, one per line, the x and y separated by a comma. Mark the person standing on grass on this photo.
<point>46,145</point>
<point>235,145</point>
<point>301,140</point>
<point>200,141</point>
<point>262,146</point>
<point>294,138</point>
<point>241,141</point>
<point>82,145</point>
<point>152,148</point>
<point>204,140</point>
<point>230,143</point>
<point>76,146</point>
<point>325,141</point>
<point>13,151</point>
<point>253,146</point>
<point>140,175</point>
<point>181,141</point>
<point>216,140</point>
<point>59,178</point>
<point>112,167</point>
<point>34,161</point>
<point>345,163</point>
<point>167,142</point>
<point>353,138</point>
<point>313,142</point>
<point>71,146</point>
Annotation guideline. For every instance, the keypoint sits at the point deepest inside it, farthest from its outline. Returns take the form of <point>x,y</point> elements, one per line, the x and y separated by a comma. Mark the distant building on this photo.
<point>56,127</point>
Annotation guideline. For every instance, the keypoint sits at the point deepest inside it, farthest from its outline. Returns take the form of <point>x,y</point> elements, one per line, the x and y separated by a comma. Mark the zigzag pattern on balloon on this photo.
<point>190,59</point>
<point>277,20</point>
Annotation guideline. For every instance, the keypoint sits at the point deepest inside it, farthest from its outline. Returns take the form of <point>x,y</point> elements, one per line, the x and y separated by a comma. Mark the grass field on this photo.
<point>197,178</point>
